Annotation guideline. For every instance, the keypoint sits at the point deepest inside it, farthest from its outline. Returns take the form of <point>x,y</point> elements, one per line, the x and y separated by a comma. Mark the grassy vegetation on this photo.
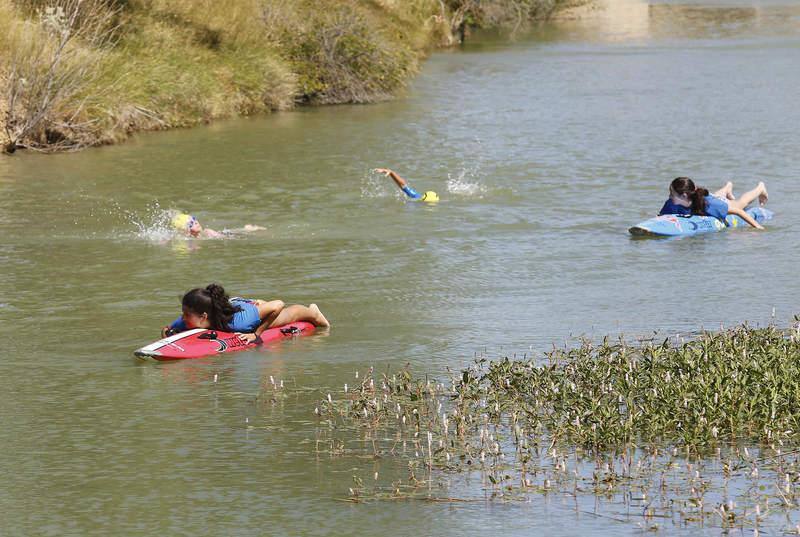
<point>742,384</point>
<point>704,431</point>
<point>161,64</point>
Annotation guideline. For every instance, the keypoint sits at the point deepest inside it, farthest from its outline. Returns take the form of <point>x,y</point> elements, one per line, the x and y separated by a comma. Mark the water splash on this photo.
<point>154,223</point>
<point>466,184</point>
<point>376,185</point>
<point>468,181</point>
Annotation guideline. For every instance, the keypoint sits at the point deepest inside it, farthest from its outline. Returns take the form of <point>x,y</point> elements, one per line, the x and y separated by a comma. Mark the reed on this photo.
<point>700,431</point>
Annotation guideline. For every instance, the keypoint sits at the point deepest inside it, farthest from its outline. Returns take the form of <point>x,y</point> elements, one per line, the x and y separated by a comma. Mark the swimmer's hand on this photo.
<point>246,338</point>
<point>167,331</point>
<point>384,171</point>
<point>250,227</point>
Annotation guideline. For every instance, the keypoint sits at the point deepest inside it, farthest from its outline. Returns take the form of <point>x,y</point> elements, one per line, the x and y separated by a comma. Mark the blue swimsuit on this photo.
<point>411,193</point>
<point>245,320</point>
<point>716,207</point>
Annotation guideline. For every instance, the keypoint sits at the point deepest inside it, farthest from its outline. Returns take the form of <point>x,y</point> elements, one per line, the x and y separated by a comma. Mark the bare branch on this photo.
<point>56,59</point>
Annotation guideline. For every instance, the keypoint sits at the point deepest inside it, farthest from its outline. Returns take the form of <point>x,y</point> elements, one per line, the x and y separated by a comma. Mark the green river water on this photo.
<point>544,150</point>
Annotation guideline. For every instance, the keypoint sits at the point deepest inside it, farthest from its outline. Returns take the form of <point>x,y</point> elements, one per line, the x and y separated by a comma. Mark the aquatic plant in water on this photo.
<point>702,431</point>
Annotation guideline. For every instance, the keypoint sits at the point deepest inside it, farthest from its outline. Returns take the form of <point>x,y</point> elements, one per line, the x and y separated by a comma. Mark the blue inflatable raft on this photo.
<point>674,225</point>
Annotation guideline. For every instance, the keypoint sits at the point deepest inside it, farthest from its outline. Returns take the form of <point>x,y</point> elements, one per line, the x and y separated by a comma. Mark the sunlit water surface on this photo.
<point>544,150</point>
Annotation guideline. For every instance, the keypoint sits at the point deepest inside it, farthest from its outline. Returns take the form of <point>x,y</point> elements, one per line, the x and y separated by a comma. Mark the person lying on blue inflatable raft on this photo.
<point>686,198</point>
<point>691,210</point>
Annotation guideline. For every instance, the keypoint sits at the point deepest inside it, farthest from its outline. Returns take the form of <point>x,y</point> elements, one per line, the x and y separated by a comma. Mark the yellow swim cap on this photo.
<point>430,196</point>
<point>182,221</point>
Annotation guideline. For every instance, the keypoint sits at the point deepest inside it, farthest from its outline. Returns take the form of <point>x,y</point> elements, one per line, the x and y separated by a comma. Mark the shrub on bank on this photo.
<point>340,56</point>
<point>131,65</point>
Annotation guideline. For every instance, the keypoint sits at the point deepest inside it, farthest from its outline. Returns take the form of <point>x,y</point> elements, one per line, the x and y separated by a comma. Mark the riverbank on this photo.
<point>90,72</point>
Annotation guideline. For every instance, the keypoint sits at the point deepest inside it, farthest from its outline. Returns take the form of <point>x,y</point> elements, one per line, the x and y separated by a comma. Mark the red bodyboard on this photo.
<point>198,343</point>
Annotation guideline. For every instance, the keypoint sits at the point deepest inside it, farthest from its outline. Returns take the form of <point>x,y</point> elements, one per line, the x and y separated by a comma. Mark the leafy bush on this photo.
<point>340,58</point>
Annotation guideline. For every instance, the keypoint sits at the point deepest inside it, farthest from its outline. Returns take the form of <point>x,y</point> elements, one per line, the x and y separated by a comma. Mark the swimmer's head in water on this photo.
<point>187,223</point>
<point>429,196</point>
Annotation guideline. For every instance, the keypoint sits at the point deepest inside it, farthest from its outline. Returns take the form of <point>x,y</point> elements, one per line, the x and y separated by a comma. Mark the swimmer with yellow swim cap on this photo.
<point>189,225</point>
<point>429,196</point>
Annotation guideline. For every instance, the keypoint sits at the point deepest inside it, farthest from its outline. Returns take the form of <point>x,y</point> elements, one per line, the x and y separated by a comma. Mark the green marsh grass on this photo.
<point>653,433</point>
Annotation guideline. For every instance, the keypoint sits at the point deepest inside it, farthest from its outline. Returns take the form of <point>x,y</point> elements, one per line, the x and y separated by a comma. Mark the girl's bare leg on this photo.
<point>726,192</point>
<point>321,319</point>
<point>760,192</point>
<point>297,312</point>
<point>269,310</point>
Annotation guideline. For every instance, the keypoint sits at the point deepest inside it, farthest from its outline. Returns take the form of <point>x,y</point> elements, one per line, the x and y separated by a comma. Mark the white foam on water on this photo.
<point>468,181</point>
<point>154,223</point>
<point>466,184</point>
<point>376,185</point>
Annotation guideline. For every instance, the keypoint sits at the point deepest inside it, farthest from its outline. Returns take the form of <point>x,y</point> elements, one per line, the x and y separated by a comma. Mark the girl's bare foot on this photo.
<point>729,191</point>
<point>764,196</point>
<point>319,318</point>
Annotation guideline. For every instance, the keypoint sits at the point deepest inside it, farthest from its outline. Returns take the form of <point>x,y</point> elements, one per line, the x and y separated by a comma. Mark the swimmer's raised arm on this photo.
<point>389,173</point>
<point>404,186</point>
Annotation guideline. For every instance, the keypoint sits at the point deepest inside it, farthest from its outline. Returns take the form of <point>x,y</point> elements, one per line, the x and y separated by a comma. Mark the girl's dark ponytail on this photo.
<point>216,293</point>
<point>213,301</point>
<point>698,198</point>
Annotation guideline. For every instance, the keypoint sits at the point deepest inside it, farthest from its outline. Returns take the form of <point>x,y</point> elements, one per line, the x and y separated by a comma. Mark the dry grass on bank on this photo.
<point>159,64</point>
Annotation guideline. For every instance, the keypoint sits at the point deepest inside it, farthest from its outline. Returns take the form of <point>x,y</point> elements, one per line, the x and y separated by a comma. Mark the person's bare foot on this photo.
<point>319,318</point>
<point>764,196</point>
<point>729,191</point>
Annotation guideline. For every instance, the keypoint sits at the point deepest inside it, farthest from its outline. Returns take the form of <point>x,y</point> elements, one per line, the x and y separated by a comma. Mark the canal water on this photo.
<point>544,149</point>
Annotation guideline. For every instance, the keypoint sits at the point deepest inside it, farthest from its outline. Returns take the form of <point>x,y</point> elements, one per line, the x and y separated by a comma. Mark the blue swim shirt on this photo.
<point>411,193</point>
<point>245,320</point>
<point>670,207</point>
